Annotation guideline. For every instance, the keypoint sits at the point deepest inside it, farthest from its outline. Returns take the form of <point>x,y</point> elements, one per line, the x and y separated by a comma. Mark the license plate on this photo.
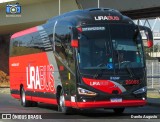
<point>116,99</point>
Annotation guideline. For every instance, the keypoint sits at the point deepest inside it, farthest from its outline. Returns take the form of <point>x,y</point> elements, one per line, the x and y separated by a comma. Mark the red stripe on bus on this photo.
<point>108,104</point>
<point>67,103</point>
<point>24,32</point>
<point>15,96</point>
<point>45,100</point>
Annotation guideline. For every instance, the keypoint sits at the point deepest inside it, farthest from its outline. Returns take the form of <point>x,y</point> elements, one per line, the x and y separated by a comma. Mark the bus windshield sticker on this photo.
<point>93,29</point>
<point>109,66</point>
<point>114,78</point>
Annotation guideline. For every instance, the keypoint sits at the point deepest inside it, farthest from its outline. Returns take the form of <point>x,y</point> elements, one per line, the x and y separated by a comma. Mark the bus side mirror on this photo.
<point>147,36</point>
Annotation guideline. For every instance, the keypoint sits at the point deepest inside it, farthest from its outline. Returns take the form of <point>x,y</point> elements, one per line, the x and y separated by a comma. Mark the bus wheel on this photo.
<point>61,105</point>
<point>34,104</point>
<point>24,102</point>
<point>119,110</point>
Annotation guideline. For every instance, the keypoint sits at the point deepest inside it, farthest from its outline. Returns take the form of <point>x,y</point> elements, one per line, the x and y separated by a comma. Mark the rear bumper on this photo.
<point>108,104</point>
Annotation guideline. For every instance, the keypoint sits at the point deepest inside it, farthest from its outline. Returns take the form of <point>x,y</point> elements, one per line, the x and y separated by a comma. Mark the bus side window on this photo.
<point>61,41</point>
<point>63,45</point>
<point>59,47</point>
<point>27,44</point>
<point>70,58</point>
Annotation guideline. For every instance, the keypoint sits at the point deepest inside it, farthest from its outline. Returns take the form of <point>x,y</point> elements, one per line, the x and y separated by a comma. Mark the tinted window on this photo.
<point>111,46</point>
<point>63,45</point>
<point>94,50</point>
<point>24,45</point>
<point>30,44</point>
<point>127,46</point>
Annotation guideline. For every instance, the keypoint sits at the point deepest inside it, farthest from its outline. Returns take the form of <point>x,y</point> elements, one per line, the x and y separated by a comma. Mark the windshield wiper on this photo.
<point>99,71</point>
<point>117,54</point>
<point>129,70</point>
<point>119,65</point>
<point>126,64</point>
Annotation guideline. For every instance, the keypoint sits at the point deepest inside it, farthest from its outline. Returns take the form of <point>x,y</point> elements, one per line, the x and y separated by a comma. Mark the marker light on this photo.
<point>79,29</point>
<point>82,91</point>
<point>74,43</point>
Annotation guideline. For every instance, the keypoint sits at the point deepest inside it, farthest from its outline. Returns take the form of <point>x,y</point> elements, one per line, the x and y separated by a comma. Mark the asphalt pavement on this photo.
<point>9,105</point>
<point>154,97</point>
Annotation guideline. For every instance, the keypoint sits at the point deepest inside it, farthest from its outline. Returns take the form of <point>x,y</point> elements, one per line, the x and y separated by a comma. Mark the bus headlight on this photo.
<point>141,90</point>
<point>82,91</point>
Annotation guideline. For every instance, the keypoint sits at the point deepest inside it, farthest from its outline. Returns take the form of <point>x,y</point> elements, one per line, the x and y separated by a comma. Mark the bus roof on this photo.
<point>77,17</point>
<point>92,15</point>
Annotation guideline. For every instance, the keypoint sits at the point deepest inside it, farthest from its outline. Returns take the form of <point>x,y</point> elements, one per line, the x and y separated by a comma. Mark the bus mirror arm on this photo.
<point>147,31</point>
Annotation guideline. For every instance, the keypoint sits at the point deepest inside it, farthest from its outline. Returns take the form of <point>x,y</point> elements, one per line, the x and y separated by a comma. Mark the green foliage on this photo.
<point>148,51</point>
<point>17,51</point>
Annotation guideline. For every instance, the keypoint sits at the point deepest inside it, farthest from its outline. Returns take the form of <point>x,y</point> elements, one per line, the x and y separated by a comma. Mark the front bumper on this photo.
<point>108,104</point>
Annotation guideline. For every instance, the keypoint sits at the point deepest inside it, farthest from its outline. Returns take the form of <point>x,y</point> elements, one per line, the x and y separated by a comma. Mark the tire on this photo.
<point>34,104</point>
<point>61,104</point>
<point>118,110</point>
<point>24,102</point>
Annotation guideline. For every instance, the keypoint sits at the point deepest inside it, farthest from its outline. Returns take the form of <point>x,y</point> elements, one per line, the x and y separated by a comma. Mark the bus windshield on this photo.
<point>113,46</point>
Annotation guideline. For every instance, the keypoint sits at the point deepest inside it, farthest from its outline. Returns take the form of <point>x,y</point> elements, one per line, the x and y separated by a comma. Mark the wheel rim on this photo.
<point>61,101</point>
<point>23,96</point>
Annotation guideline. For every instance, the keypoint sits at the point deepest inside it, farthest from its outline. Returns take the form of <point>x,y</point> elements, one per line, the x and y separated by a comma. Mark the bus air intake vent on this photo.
<point>109,9</point>
<point>102,9</point>
<point>94,9</point>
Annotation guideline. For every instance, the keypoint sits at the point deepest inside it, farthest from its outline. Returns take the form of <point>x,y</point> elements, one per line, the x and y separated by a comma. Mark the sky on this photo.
<point>154,23</point>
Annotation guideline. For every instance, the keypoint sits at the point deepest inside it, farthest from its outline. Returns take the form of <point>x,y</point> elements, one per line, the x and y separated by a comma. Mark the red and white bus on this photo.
<point>90,58</point>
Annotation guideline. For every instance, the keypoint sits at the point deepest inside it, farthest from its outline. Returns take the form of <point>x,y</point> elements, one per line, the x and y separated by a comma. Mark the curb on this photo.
<point>5,87</point>
<point>4,90</point>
